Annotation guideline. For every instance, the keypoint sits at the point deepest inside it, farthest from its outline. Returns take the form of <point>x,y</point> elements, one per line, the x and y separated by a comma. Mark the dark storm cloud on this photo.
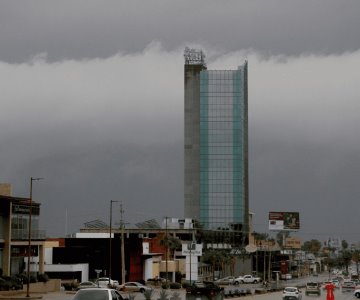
<point>87,29</point>
<point>112,129</point>
<point>97,130</point>
<point>94,104</point>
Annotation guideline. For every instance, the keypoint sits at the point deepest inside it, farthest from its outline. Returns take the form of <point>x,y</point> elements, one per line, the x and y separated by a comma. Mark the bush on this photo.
<point>165,285</point>
<point>186,285</point>
<point>68,286</point>
<point>43,277</point>
<point>171,285</point>
<point>175,296</point>
<point>175,285</point>
<point>163,295</point>
<point>22,277</point>
<point>10,283</point>
<point>148,294</point>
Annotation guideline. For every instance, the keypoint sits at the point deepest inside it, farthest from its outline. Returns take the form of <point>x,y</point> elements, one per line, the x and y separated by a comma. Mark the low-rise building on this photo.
<point>15,237</point>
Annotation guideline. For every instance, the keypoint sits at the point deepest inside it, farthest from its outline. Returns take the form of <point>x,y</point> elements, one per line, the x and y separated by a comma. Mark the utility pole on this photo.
<point>166,250</point>
<point>122,245</point>
<point>29,237</point>
<point>110,237</point>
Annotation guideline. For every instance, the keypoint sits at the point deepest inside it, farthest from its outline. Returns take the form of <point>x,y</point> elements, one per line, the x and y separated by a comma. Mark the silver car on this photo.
<point>133,286</point>
<point>226,280</point>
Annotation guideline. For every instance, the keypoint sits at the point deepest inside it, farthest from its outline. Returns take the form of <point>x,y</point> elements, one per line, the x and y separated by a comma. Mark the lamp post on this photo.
<point>166,249</point>
<point>122,224</point>
<point>110,261</point>
<point>29,237</point>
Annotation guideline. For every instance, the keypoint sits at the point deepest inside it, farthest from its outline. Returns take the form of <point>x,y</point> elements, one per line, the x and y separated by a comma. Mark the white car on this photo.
<point>357,293</point>
<point>133,287</point>
<point>291,293</point>
<point>104,282</point>
<point>98,293</point>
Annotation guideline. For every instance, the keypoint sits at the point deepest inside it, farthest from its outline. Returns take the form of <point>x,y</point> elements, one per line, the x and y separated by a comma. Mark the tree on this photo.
<point>312,246</point>
<point>260,236</point>
<point>345,260</point>
<point>356,259</point>
<point>344,244</point>
<point>330,263</point>
<point>171,243</point>
<point>281,237</point>
<point>214,258</point>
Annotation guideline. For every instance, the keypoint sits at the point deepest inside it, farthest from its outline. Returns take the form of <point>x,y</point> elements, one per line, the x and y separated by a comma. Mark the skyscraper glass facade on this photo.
<point>216,145</point>
<point>222,148</point>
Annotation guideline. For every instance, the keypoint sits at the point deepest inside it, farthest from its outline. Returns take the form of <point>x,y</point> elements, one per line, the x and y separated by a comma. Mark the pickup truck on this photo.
<point>247,279</point>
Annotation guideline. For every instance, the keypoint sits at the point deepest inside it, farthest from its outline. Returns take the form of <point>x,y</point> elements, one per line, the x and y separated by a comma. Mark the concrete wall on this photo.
<point>192,140</point>
<point>83,268</point>
<point>53,285</point>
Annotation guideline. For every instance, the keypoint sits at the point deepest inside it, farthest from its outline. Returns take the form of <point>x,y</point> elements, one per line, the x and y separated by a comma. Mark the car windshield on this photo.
<point>200,284</point>
<point>91,294</point>
<point>291,290</point>
<point>312,284</point>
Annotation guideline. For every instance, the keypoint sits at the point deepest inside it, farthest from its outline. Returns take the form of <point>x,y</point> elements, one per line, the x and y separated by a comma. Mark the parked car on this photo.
<point>312,288</point>
<point>98,294</point>
<point>286,276</point>
<point>204,288</point>
<point>133,286</point>
<point>357,293</point>
<point>86,285</point>
<point>156,280</point>
<point>247,279</point>
<point>336,283</point>
<point>348,286</point>
<point>291,293</point>
<point>104,282</point>
<point>226,280</point>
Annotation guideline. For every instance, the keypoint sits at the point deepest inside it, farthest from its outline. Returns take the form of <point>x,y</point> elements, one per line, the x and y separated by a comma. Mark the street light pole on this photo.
<point>166,249</point>
<point>122,224</point>
<point>110,259</point>
<point>29,237</point>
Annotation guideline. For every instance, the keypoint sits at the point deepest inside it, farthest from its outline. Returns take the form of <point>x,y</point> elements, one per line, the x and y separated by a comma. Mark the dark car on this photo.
<point>204,288</point>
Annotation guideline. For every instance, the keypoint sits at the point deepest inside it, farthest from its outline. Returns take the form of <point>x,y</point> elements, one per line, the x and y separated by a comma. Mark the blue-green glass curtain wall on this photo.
<point>221,148</point>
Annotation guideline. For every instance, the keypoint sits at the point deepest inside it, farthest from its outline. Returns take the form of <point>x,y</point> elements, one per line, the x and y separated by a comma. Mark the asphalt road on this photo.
<point>339,295</point>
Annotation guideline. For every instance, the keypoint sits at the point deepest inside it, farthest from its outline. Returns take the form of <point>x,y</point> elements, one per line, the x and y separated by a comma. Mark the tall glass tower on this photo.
<point>216,144</point>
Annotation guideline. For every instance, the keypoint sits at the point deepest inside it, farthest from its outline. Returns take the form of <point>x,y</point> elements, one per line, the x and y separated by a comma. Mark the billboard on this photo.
<point>292,243</point>
<point>280,221</point>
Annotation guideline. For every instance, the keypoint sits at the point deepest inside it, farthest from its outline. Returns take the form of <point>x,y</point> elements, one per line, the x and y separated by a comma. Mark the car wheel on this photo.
<point>255,281</point>
<point>236,283</point>
<point>142,290</point>
<point>357,295</point>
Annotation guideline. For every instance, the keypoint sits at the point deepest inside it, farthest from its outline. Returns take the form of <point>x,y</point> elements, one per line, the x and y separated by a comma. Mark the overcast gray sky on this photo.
<point>91,99</point>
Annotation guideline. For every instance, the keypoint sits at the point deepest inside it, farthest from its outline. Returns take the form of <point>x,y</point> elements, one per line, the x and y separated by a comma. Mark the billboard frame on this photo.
<point>284,221</point>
